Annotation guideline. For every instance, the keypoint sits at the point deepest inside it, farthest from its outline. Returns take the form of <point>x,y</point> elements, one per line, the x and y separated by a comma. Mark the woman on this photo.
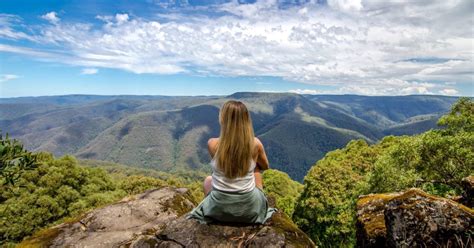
<point>234,191</point>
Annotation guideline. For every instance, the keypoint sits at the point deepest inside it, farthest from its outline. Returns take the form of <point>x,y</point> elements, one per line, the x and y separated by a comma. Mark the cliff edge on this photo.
<point>155,218</point>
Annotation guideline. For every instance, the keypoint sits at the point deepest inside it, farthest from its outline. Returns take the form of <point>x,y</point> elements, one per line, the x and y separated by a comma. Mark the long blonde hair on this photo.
<point>236,141</point>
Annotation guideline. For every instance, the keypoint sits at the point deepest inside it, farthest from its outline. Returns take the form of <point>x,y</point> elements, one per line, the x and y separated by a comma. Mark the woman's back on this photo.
<point>234,191</point>
<point>233,185</point>
<point>242,184</point>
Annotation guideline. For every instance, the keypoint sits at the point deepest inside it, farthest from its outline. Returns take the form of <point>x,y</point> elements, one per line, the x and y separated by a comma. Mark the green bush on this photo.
<point>57,188</point>
<point>14,160</point>
<point>280,186</point>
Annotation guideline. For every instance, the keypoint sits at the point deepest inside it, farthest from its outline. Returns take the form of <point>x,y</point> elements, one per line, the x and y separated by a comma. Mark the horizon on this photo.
<point>220,47</point>
<point>237,92</point>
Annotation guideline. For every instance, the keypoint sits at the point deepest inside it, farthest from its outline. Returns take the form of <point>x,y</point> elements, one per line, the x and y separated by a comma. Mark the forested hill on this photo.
<point>40,191</point>
<point>170,133</point>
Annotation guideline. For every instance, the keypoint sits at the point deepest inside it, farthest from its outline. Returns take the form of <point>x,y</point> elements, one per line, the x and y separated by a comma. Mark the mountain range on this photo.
<point>169,133</point>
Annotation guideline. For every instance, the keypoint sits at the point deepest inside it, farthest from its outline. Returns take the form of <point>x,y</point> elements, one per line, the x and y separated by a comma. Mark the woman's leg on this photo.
<point>258,178</point>
<point>207,185</point>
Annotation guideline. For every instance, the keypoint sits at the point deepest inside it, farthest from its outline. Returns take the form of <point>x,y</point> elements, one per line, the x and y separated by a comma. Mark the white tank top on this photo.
<point>237,185</point>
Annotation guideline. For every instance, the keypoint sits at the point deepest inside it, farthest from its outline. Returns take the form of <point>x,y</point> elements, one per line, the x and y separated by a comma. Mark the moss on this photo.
<point>418,192</point>
<point>179,203</point>
<point>41,238</point>
<point>293,235</point>
<point>372,198</point>
<point>371,219</point>
<point>44,237</point>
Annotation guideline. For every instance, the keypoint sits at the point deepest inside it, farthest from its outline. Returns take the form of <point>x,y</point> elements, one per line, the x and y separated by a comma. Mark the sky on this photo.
<point>218,47</point>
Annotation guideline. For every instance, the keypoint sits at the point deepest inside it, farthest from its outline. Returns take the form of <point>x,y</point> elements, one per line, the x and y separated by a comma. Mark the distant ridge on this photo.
<point>170,133</point>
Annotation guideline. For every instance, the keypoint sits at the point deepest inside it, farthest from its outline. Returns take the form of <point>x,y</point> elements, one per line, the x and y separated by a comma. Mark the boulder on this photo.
<point>118,223</point>
<point>417,219</point>
<point>413,219</point>
<point>156,218</point>
<point>279,231</point>
<point>370,224</point>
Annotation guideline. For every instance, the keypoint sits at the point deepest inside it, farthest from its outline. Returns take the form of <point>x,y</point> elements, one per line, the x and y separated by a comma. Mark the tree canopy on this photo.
<point>435,161</point>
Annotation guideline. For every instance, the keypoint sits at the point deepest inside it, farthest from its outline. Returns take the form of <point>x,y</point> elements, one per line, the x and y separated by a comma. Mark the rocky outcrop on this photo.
<point>156,219</point>
<point>119,223</point>
<point>413,219</point>
<point>370,225</point>
<point>279,231</point>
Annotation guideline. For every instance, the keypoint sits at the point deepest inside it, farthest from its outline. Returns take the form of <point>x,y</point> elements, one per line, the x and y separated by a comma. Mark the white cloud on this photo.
<point>51,17</point>
<point>346,5</point>
<point>7,77</point>
<point>305,91</point>
<point>365,50</point>
<point>89,71</point>
<point>448,91</point>
<point>121,18</point>
<point>8,23</point>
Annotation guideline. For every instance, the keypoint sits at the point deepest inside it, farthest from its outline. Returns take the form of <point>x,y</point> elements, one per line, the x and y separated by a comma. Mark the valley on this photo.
<point>170,133</point>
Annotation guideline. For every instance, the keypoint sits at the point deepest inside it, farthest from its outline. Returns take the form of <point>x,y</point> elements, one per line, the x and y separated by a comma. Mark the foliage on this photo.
<point>14,160</point>
<point>285,191</point>
<point>436,161</point>
<point>58,189</point>
<point>119,172</point>
<point>447,155</point>
<point>137,184</point>
<point>460,118</point>
<point>325,208</point>
<point>394,168</point>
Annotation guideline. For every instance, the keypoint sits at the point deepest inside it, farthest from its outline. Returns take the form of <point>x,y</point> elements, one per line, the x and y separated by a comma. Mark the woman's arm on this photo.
<point>212,146</point>
<point>262,160</point>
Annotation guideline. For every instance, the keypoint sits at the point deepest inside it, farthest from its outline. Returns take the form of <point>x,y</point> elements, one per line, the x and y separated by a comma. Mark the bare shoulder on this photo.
<point>258,143</point>
<point>212,141</point>
<point>212,145</point>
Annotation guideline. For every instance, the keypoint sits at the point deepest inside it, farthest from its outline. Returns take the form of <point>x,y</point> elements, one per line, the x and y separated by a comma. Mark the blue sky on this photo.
<point>217,47</point>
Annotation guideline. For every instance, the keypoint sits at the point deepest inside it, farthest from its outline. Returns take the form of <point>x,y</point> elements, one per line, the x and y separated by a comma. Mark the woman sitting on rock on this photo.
<point>234,191</point>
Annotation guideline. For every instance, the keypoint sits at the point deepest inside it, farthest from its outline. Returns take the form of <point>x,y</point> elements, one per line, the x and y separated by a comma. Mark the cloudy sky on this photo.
<point>216,47</point>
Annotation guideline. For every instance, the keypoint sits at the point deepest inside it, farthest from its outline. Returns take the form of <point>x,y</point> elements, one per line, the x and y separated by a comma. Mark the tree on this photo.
<point>447,155</point>
<point>14,160</point>
<point>279,185</point>
<point>54,190</point>
<point>325,209</point>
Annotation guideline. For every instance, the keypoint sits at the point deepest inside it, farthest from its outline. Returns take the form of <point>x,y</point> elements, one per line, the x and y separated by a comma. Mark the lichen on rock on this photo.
<point>370,225</point>
<point>413,219</point>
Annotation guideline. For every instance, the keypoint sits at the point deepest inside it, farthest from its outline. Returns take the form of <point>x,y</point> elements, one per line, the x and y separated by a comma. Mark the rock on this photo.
<point>370,224</point>
<point>468,194</point>
<point>279,231</point>
<point>413,219</point>
<point>119,223</point>
<point>156,219</point>
<point>145,241</point>
<point>417,219</point>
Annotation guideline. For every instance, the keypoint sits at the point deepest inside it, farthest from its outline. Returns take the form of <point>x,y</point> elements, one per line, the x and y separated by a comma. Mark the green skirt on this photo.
<point>218,206</point>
